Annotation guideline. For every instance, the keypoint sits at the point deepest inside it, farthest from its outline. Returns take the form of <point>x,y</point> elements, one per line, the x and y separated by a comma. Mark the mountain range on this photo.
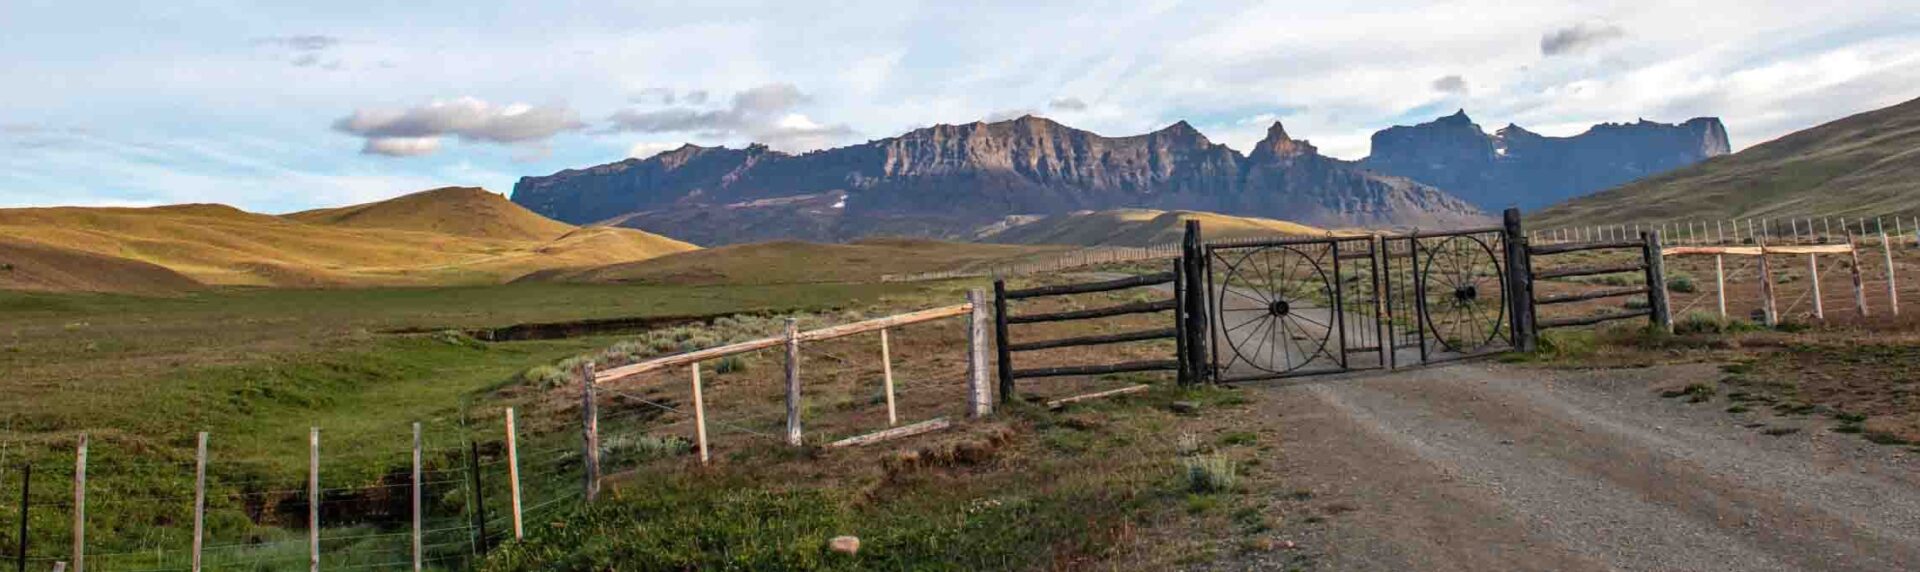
<point>1517,167</point>
<point>1867,164</point>
<point>947,181</point>
<point>952,181</point>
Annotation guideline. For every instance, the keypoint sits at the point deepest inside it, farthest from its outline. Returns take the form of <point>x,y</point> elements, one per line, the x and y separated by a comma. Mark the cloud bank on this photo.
<point>1577,38</point>
<point>417,131</point>
<point>766,114</point>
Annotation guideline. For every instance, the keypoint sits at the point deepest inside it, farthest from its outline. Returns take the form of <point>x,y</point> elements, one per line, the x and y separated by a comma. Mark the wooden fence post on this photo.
<point>80,505</point>
<point>1886,249</point>
<point>1720,283</point>
<point>1193,255</point>
<point>886,378</point>
<point>1859,288</point>
<point>1813,269</point>
<point>417,560</point>
<point>793,382</point>
<point>700,412</point>
<point>1657,283</point>
<point>1520,303</point>
<point>979,397</point>
<point>589,432</point>
<point>199,498</point>
<point>313,499</point>
<point>513,474</point>
<point>1768,313</point>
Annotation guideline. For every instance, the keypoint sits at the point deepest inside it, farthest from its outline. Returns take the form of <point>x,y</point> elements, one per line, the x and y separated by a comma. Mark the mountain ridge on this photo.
<point>944,181</point>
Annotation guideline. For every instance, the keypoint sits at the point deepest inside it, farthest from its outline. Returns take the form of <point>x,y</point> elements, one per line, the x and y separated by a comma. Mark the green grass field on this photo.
<point>257,368</point>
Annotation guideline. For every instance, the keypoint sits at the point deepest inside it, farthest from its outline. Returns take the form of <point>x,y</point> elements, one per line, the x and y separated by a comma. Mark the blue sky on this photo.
<point>277,106</point>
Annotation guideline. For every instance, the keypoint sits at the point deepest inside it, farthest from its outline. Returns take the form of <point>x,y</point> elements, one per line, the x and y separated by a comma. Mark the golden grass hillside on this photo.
<point>1141,227</point>
<point>459,211</point>
<point>794,262</point>
<point>366,245</point>
<point>1863,165</point>
<point>38,267</point>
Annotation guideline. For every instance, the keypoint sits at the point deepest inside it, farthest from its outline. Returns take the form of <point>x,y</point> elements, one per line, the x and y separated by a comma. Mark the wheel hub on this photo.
<point>1279,308</point>
<point>1466,293</point>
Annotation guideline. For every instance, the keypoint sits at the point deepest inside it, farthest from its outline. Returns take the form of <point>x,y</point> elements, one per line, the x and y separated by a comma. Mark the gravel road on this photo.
<point>1489,467</point>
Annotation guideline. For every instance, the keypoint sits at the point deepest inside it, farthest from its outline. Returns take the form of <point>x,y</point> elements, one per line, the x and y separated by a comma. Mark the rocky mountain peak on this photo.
<point>1278,145</point>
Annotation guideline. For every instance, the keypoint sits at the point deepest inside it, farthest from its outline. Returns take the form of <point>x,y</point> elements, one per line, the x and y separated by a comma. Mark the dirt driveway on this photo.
<point>1489,467</point>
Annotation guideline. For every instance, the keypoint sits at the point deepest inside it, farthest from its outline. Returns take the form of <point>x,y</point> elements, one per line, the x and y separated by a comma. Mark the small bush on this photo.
<point>1681,283</point>
<point>545,377</point>
<point>631,449</point>
<point>1635,303</point>
<point>1700,323</point>
<point>1211,474</point>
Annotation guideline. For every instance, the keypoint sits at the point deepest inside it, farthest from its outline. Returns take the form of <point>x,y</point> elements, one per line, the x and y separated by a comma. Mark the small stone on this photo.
<point>1184,407</point>
<point>845,544</point>
<point>1287,545</point>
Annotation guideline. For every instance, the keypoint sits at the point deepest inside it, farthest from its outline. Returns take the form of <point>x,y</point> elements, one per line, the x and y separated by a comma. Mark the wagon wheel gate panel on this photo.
<point>1283,308</point>
<point>1455,285</point>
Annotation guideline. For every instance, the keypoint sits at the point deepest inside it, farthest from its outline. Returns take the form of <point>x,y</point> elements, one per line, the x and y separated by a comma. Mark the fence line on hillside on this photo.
<point>1078,258</point>
<point>1698,232</point>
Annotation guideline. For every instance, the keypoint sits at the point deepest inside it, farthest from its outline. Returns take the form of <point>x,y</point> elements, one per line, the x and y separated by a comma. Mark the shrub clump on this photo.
<point>1211,473</point>
<point>1681,283</point>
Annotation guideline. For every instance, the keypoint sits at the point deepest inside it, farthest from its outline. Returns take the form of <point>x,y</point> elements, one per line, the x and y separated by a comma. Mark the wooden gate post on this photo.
<point>793,382</point>
<point>1720,283</point>
<point>1859,289</point>
<point>1519,291</point>
<point>1004,356</point>
<point>1657,283</point>
<point>589,432</point>
<point>1886,249</point>
<point>1769,314</point>
<point>1193,254</point>
<point>979,397</point>
<point>1813,271</point>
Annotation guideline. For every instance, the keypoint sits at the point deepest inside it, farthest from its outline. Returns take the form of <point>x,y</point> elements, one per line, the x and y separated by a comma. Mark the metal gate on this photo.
<point>1293,307</point>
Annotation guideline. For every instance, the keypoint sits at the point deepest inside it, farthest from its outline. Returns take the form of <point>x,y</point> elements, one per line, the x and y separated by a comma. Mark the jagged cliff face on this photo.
<point>947,180</point>
<point>1516,167</point>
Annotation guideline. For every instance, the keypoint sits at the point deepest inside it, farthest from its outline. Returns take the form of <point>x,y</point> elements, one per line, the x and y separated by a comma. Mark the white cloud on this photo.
<point>416,131</point>
<point>1067,104</point>
<point>1452,84</point>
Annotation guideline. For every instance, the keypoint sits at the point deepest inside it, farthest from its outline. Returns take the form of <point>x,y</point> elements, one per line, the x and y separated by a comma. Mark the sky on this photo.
<point>282,106</point>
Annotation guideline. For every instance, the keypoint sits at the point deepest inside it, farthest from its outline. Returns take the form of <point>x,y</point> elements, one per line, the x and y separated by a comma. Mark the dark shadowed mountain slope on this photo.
<point>1867,164</point>
<point>948,180</point>
<point>1516,167</point>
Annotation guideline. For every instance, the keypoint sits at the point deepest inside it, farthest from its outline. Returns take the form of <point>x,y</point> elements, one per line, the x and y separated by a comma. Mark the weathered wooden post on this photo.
<point>199,498</point>
<point>979,397</point>
<point>1813,270</point>
<point>700,408</point>
<point>513,474</point>
<point>589,432</point>
<point>418,559</point>
<point>886,378</point>
<point>80,505</point>
<point>1886,249</point>
<point>1519,300</point>
<point>1768,313</point>
<point>1657,282</point>
<point>1859,288</point>
<point>1720,283</point>
<point>313,499</point>
<point>479,489</point>
<point>793,382</point>
<point>1193,254</point>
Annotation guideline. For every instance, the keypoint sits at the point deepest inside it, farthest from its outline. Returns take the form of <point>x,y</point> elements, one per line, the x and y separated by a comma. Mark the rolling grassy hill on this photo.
<point>38,267</point>
<point>1863,165</point>
<point>794,262</point>
<point>438,237</point>
<point>1140,227</point>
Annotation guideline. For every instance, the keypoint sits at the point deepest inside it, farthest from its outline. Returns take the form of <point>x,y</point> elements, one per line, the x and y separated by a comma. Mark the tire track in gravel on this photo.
<point>1481,467</point>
